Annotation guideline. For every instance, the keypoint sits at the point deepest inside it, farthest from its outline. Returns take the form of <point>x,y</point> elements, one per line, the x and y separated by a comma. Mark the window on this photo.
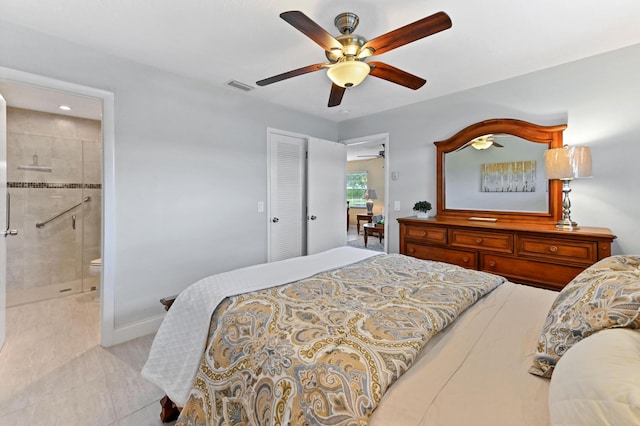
<point>356,185</point>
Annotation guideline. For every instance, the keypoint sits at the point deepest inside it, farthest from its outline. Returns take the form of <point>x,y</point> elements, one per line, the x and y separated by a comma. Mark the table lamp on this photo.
<point>566,164</point>
<point>370,195</point>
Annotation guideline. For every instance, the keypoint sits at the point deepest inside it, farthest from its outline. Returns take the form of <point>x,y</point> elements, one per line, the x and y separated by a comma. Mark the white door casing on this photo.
<point>326,195</point>
<point>109,335</point>
<point>286,233</point>
<point>3,218</point>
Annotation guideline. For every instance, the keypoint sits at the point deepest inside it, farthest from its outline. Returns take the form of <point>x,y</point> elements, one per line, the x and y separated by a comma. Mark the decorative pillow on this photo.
<point>597,381</point>
<point>605,295</point>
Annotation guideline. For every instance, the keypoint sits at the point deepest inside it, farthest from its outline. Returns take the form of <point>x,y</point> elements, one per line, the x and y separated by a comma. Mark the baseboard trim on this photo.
<point>137,329</point>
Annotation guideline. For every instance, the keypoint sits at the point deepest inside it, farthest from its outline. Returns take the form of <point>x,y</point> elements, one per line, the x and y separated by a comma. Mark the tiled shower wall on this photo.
<point>54,260</point>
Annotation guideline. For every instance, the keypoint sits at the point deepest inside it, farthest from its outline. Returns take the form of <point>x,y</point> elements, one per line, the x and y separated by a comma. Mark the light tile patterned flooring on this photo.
<point>54,372</point>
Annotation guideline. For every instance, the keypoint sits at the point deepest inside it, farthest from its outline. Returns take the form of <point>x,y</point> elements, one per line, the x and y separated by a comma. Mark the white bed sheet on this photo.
<point>475,371</point>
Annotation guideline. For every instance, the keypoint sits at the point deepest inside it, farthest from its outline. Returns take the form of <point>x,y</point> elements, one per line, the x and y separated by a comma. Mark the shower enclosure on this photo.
<point>54,182</point>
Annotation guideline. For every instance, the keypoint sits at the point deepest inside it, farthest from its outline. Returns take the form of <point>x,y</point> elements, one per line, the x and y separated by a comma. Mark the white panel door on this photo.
<point>326,195</point>
<point>3,218</point>
<point>286,226</point>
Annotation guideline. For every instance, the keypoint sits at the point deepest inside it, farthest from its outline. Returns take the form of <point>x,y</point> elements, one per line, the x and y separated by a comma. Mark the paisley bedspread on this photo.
<point>323,350</point>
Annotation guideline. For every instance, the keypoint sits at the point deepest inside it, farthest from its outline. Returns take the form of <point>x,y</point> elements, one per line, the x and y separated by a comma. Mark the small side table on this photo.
<point>366,216</point>
<point>372,229</point>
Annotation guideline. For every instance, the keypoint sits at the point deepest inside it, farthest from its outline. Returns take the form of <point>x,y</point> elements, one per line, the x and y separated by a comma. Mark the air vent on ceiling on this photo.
<point>239,85</point>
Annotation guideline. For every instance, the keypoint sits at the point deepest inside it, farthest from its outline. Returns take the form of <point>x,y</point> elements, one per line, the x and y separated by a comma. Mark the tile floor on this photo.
<point>54,372</point>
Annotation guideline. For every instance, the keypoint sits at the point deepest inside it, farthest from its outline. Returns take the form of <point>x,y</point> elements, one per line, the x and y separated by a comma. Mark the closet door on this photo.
<point>326,195</point>
<point>286,233</point>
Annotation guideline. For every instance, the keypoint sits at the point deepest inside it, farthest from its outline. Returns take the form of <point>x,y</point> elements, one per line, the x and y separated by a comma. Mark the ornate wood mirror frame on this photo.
<point>550,135</point>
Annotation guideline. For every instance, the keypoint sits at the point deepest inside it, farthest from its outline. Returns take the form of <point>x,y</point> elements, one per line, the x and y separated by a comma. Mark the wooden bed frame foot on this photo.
<point>169,411</point>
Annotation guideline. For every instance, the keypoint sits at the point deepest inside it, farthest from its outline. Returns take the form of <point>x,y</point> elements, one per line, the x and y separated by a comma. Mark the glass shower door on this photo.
<point>44,180</point>
<point>54,175</point>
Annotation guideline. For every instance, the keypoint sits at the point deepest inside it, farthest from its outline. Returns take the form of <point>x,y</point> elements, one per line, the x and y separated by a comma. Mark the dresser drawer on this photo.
<point>527,271</point>
<point>494,241</point>
<point>571,251</point>
<point>457,257</point>
<point>432,234</point>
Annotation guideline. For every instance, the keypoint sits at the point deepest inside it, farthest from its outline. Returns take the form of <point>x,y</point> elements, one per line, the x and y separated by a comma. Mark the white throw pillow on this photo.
<point>597,382</point>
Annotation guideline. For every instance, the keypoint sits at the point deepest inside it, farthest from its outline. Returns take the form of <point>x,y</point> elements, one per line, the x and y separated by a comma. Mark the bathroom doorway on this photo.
<point>54,180</point>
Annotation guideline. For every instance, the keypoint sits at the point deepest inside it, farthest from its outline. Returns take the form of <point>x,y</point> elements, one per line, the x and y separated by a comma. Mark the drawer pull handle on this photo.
<point>553,249</point>
<point>412,250</point>
<point>424,234</point>
<point>492,263</point>
<point>478,240</point>
<point>465,259</point>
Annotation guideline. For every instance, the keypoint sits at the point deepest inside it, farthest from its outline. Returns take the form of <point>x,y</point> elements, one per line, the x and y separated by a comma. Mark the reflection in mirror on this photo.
<point>497,173</point>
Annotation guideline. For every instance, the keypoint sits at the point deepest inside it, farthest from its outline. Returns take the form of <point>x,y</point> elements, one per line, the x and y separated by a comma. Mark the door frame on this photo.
<point>377,139</point>
<point>107,283</point>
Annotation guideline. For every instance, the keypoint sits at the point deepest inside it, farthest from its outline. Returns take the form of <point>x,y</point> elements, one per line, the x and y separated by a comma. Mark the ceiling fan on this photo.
<point>482,142</point>
<point>380,154</point>
<point>347,53</point>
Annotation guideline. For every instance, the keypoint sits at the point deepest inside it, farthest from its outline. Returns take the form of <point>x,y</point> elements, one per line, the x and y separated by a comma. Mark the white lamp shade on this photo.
<point>581,161</point>
<point>568,162</point>
<point>348,73</point>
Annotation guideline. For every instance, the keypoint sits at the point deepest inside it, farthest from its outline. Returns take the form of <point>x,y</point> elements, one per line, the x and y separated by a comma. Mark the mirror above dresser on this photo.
<point>503,177</point>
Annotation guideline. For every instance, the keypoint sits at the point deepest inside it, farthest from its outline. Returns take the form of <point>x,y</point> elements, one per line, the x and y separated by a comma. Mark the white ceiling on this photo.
<point>25,96</point>
<point>245,40</point>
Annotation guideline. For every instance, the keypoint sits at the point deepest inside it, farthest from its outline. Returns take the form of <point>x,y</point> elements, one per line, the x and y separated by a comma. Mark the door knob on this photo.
<point>275,220</point>
<point>313,217</point>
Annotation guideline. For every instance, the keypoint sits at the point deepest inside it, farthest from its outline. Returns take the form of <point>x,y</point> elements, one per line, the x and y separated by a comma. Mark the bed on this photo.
<point>385,339</point>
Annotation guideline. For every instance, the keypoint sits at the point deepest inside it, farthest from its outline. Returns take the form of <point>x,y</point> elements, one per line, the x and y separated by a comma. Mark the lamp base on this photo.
<point>369,207</point>
<point>567,224</point>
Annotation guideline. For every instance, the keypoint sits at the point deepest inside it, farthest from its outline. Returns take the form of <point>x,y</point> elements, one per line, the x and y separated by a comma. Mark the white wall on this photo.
<point>598,97</point>
<point>190,167</point>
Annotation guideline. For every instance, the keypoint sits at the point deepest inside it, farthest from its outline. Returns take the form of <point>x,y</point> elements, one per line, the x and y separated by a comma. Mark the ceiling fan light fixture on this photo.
<point>482,142</point>
<point>348,73</point>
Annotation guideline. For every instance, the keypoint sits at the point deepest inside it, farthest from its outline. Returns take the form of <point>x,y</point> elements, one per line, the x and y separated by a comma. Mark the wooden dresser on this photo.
<point>535,254</point>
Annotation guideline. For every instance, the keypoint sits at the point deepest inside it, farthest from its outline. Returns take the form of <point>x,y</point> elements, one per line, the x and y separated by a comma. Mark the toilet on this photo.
<point>95,267</point>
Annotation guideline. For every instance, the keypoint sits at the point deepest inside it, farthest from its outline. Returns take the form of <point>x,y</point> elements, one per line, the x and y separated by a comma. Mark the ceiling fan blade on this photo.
<point>409,33</point>
<point>335,97</point>
<point>292,73</point>
<point>315,32</point>
<point>395,75</point>
<point>466,145</point>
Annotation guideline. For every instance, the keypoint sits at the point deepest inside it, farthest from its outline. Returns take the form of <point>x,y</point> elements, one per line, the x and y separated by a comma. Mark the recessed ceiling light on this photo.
<point>345,111</point>
<point>65,107</point>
